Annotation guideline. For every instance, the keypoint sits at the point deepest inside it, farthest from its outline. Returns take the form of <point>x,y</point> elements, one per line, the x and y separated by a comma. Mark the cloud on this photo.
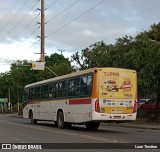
<point>108,21</point>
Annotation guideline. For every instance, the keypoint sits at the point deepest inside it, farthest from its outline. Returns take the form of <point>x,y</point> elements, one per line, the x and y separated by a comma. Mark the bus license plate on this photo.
<point>116,111</point>
<point>116,117</point>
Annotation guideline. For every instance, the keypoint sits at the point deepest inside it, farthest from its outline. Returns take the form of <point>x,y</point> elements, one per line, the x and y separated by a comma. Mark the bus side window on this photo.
<point>74,87</point>
<point>86,85</point>
<point>71,88</point>
<point>37,93</point>
<point>83,90</point>
<point>31,93</point>
<point>52,90</point>
<point>26,94</point>
<point>77,87</point>
<point>62,89</point>
<point>89,84</point>
<point>44,91</point>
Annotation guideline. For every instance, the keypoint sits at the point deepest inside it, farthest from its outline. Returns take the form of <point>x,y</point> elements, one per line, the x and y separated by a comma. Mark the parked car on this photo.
<point>149,105</point>
<point>142,101</point>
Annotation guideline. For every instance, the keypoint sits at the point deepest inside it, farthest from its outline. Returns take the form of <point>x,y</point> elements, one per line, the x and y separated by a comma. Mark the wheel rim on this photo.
<point>32,119</point>
<point>60,120</point>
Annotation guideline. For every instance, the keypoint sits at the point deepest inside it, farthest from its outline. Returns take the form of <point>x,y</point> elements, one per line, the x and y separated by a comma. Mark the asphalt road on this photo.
<point>19,130</point>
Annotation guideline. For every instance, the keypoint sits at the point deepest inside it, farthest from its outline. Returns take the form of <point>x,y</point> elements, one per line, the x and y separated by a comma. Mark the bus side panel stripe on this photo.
<point>80,101</point>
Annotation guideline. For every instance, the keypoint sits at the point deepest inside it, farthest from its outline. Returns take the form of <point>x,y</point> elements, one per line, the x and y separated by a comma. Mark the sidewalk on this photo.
<point>137,124</point>
<point>14,115</point>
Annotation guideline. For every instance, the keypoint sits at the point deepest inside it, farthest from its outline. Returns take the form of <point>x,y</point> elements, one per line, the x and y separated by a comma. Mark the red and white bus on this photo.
<point>87,97</point>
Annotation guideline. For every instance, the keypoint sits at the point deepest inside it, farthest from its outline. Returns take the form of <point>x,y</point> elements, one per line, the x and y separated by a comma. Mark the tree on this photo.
<point>154,35</point>
<point>96,55</point>
<point>154,32</point>
<point>138,53</point>
<point>21,75</point>
<point>58,64</point>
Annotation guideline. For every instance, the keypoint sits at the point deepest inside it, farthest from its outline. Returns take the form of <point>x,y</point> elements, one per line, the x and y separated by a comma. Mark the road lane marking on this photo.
<point>17,139</point>
<point>68,133</point>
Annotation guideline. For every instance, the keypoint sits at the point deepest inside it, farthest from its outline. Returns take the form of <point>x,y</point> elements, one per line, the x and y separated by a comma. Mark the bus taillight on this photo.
<point>135,106</point>
<point>97,107</point>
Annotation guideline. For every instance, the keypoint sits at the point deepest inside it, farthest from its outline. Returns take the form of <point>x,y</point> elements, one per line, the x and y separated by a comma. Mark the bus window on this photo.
<point>74,87</point>
<point>89,85</point>
<point>31,93</point>
<point>44,91</point>
<point>71,88</point>
<point>89,80</point>
<point>62,89</point>
<point>83,80</point>
<point>86,85</point>
<point>77,86</point>
<point>37,93</point>
<point>52,90</point>
<point>26,94</point>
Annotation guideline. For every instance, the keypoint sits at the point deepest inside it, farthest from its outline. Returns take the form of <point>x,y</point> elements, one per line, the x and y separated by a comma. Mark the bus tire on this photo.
<point>60,120</point>
<point>92,125</point>
<point>33,121</point>
<point>55,124</point>
<point>68,125</point>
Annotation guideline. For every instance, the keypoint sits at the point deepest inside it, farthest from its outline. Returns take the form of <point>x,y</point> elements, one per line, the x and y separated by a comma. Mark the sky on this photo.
<point>70,25</point>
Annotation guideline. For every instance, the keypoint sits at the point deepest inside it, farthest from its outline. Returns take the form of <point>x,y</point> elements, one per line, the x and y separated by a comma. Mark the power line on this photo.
<point>27,38</point>
<point>9,60</point>
<point>13,17</point>
<point>62,11</point>
<point>5,60</point>
<point>62,26</point>
<point>19,21</point>
<point>26,26</point>
<point>51,4</point>
<point>75,18</point>
<point>9,11</point>
<point>32,45</point>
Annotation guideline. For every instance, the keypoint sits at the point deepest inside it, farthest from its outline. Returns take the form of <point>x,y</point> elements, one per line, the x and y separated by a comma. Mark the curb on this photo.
<point>18,116</point>
<point>138,126</point>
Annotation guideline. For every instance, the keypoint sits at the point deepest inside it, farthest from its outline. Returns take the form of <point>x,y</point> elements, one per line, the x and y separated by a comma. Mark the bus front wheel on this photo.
<point>60,120</point>
<point>92,125</point>
<point>33,121</point>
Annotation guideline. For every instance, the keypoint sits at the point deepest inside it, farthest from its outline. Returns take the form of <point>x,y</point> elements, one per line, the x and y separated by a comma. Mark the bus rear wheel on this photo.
<point>55,124</point>
<point>60,120</point>
<point>92,125</point>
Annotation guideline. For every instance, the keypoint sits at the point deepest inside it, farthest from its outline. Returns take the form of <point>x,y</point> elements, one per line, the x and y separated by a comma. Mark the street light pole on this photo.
<point>61,51</point>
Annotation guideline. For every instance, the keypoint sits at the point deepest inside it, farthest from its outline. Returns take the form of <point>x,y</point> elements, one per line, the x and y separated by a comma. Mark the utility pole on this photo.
<point>42,32</point>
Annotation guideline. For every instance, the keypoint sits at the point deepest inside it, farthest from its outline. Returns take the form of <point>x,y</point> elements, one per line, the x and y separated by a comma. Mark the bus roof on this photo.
<point>62,77</point>
<point>74,74</point>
